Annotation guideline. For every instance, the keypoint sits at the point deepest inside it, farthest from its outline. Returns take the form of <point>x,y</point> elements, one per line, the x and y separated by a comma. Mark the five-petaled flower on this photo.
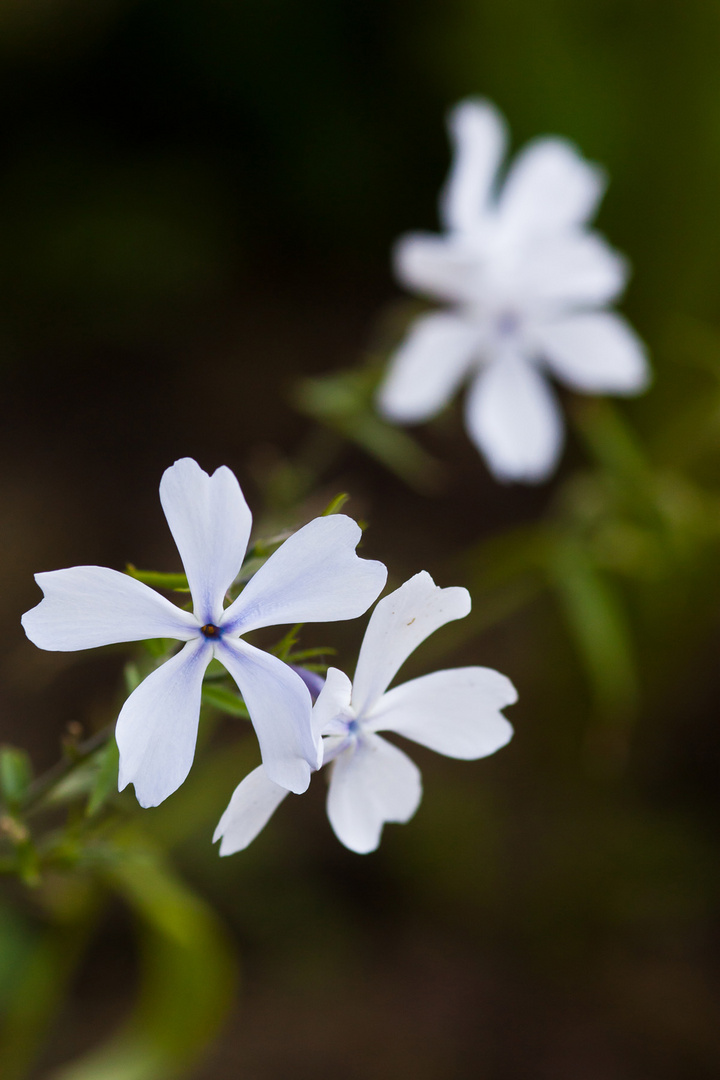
<point>529,284</point>
<point>315,576</point>
<point>455,712</point>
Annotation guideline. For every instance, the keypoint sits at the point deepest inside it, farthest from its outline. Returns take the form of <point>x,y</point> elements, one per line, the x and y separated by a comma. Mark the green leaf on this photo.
<point>159,648</point>
<point>284,647</point>
<point>15,775</point>
<point>175,582</point>
<point>187,978</point>
<point>345,403</point>
<point>611,440</point>
<point>40,983</point>
<point>224,700</point>
<point>599,627</point>
<point>335,505</point>
<point>306,654</point>
<point>106,779</point>
<point>132,677</point>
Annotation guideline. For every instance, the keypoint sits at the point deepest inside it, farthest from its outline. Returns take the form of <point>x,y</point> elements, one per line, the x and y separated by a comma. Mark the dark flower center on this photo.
<point>210,631</point>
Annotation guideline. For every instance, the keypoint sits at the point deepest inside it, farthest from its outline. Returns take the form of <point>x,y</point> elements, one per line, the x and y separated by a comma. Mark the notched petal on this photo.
<point>280,709</point>
<point>455,712</point>
<point>210,522</point>
<point>315,576</point>
<point>399,623</point>
<point>88,606</point>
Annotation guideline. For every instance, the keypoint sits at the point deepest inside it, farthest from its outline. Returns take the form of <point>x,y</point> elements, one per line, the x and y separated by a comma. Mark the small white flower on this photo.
<point>454,712</point>
<point>315,576</point>
<point>528,283</point>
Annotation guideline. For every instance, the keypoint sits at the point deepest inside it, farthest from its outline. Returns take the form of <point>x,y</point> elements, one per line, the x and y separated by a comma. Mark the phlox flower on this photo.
<point>455,712</point>
<point>529,286</point>
<point>314,576</point>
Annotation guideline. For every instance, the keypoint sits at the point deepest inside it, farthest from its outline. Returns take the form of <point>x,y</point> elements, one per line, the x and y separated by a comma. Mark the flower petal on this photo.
<point>369,785</point>
<point>315,576</point>
<point>280,708</point>
<point>157,726</point>
<point>428,367</point>
<point>549,187</point>
<point>312,679</point>
<point>210,521</point>
<point>88,606</point>
<point>595,352</point>
<point>445,268</point>
<point>253,803</point>
<point>513,418</point>
<point>479,137</point>
<point>456,713</point>
<point>332,745</point>
<point>572,269</point>
<point>333,704</point>
<point>398,624</point>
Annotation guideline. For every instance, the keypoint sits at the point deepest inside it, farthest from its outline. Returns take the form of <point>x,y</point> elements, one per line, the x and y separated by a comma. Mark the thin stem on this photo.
<point>73,756</point>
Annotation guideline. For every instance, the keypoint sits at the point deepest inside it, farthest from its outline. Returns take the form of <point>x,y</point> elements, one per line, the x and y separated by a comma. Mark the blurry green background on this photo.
<point>197,203</point>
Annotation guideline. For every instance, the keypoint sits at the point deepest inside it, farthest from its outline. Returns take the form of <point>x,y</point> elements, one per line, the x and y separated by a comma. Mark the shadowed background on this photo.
<point>197,203</point>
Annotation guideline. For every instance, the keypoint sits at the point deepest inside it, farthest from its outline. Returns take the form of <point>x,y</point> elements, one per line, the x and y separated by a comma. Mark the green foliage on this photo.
<point>36,988</point>
<point>186,973</point>
<point>187,977</point>
<point>345,403</point>
<point>226,701</point>
<point>174,582</point>
<point>335,505</point>
<point>152,156</point>
<point>106,778</point>
<point>15,775</point>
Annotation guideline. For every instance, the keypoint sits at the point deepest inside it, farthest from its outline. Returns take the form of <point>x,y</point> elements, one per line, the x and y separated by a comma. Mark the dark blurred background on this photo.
<point>197,203</point>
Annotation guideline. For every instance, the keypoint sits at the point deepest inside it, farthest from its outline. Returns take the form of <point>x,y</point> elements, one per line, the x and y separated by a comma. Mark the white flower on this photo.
<point>314,576</point>
<point>528,283</point>
<point>454,712</point>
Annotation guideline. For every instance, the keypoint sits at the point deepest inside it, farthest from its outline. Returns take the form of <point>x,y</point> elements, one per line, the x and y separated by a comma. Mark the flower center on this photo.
<point>507,324</point>
<point>211,631</point>
<point>353,727</point>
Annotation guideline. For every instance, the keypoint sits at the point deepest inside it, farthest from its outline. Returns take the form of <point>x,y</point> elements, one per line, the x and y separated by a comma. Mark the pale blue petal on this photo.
<point>312,679</point>
<point>332,745</point>
<point>333,704</point>
<point>442,267</point>
<point>315,576</point>
<point>157,727</point>
<point>455,712</point>
<point>211,522</point>
<point>513,418</point>
<point>479,138</point>
<point>253,803</point>
<point>399,623</point>
<point>280,708</point>
<point>575,269</point>
<point>370,784</point>
<point>88,606</point>
<point>427,369</point>
<point>549,188</point>
<point>595,352</point>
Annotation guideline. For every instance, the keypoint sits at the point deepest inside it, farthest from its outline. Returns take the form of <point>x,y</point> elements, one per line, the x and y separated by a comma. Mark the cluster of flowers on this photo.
<point>530,285</point>
<point>314,576</point>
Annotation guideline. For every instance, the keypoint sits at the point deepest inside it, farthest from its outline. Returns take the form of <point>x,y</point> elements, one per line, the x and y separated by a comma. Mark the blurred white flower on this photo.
<point>529,285</point>
<point>315,576</point>
<point>454,712</point>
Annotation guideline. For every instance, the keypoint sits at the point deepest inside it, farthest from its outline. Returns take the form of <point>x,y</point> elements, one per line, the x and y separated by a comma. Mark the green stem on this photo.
<point>73,756</point>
